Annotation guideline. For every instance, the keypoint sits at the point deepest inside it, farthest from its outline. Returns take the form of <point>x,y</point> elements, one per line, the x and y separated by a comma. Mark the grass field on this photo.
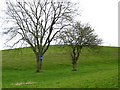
<point>96,69</point>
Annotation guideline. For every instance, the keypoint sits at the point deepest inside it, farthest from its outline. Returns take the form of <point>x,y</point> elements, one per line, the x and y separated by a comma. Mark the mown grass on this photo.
<point>96,69</point>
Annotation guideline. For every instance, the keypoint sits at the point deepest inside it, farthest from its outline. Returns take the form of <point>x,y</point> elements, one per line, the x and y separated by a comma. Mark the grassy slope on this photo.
<point>96,70</point>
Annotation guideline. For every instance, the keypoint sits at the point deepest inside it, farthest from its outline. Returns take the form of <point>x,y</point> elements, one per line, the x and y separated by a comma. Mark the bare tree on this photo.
<point>77,37</point>
<point>37,22</point>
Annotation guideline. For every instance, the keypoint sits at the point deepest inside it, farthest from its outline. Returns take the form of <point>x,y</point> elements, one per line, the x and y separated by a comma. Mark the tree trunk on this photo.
<point>74,65</point>
<point>39,64</point>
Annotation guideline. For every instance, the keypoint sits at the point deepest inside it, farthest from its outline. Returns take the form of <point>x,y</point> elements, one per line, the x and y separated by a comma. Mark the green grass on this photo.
<point>0,70</point>
<point>96,69</point>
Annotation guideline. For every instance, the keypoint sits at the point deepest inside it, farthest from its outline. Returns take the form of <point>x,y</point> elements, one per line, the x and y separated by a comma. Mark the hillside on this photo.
<point>96,69</point>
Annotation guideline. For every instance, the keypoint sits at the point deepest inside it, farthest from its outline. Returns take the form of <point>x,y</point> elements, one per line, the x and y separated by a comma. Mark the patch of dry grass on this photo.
<point>23,83</point>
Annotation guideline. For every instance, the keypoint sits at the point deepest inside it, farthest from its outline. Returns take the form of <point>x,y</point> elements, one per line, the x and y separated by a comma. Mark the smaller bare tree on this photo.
<point>77,37</point>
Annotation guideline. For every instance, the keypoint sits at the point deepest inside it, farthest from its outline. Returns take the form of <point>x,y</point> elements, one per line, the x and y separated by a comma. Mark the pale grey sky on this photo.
<point>102,15</point>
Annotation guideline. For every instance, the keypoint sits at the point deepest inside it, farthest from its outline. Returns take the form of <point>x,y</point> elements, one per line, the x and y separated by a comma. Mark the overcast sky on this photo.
<point>102,15</point>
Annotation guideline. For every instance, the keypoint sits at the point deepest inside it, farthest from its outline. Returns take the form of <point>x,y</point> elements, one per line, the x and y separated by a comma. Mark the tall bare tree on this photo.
<point>37,22</point>
<point>77,37</point>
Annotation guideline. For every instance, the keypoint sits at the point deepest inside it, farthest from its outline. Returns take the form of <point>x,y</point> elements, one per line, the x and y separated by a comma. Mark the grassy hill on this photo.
<point>96,69</point>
